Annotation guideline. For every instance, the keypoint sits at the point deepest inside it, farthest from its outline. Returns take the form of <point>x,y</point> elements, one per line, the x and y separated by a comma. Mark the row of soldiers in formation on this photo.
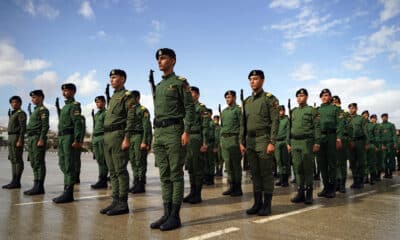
<point>185,136</point>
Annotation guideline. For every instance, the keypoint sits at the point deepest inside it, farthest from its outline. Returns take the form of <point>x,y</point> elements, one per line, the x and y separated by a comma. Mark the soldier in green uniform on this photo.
<point>78,161</point>
<point>98,142</point>
<point>370,160</point>
<point>331,123</point>
<point>342,154</point>
<point>304,141</point>
<point>174,114</point>
<point>262,120</point>
<point>230,145</point>
<point>118,126</point>
<point>209,166</point>
<point>69,141</point>
<point>37,129</point>
<point>16,131</point>
<point>359,143</point>
<point>397,150</point>
<point>219,162</point>
<point>378,144</point>
<point>140,143</point>
<point>281,152</point>
<point>389,140</point>
<point>195,156</point>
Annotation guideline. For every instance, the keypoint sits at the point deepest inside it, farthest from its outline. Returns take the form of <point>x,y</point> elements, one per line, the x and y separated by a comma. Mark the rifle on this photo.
<point>152,84</point>
<point>58,107</point>
<point>246,165</point>
<point>108,98</point>
<point>220,113</point>
<point>9,112</point>
<point>290,119</point>
<point>94,157</point>
<point>30,109</point>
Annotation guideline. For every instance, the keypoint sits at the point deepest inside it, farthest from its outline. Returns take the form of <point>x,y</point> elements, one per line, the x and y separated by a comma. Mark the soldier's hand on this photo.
<point>270,148</point>
<point>143,146</point>
<point>339,144</point>
<point>185,138</point>
<point>384,147</point>
<point>316,148</point>
<point>289,148</point>
<point>242,149</point>
<point>40,143</point>
<point>203,148</point>
<point>215,150</point>
<point>125,144</point>
<point>76,145</point>
<point>366,146</point>
<point>19,143</point>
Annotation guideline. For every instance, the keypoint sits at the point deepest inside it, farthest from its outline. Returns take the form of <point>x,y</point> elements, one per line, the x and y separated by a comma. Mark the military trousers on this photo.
<point>370,162</point>
<point>15,155</point>
<point>388,156</point>
<point>98,149</point>
<point>326,158</point>
<point>303,161</point>
<point>36,157</point>
<point>78,163</point>
<point>117,161</point>
<point>379,160</point>
<point>170,158</point>
<point>138,157</point>
<point>66,158</point>
<point>357,159</point>
<point>195,160</point>
<point>209,166</point>
<point>230,151</point>
<point>282,157</point>
<point>342,155</point>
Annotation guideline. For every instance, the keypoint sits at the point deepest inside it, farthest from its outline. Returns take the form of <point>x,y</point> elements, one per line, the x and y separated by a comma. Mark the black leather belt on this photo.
<point>98,134</point>
<point>328,131</point>
<point>32,133</point>
<point>229,134</point>
<point>66,132</point>
<point>301,137</point>
<point>167,122</point>
<point>113,128</point>
<point>256,133</point>
<point>194,132</point>
<point>280,139</point>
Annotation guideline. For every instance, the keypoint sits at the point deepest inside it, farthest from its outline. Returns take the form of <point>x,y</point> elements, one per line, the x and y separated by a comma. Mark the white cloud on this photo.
<point>289,4</point>
<point>139,5</point>
<point>289,46</point>
<point>391,8</point>
<point>303,73</point>
<point>35,64</point>
<point>38,8</point>
<point>86,10</point>
<point>86,84</point>
<point>154,36</point>
<point>48,82</point>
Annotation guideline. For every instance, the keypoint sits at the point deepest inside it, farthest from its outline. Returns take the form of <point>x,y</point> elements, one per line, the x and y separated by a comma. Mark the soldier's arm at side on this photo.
<point>22,124</point>
<point>188,105</point>
<point>274,114</point>
<point>317,127</point>
<point>146,126</point>
<point>204,125</point>
<point>77,121</point>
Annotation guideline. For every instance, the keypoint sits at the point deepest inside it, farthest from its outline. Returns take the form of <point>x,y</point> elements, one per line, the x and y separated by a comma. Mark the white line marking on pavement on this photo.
<point>80,198</point>
<point>363,194</point>
<point>395,185</point>
<point>214,234</point>
<point>275,217</point>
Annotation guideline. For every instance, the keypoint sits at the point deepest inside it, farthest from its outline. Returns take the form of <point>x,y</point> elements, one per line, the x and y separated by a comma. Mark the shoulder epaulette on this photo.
<point>76,103</point>
<point>127,92</point>
<point>181,78</point>
<point>41,108</point>
<point>19,110</point>
<point>142,107</point>
<point>247,99</point>
<point>239,106</point>
<point>201,104</point>
<point>268,94</point>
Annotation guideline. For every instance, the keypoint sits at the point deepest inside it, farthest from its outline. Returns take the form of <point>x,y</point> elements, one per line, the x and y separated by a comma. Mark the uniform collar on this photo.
<point>166,77</point>
<point>70,100</point>
<point>119,90</point>
<point>258,93</point>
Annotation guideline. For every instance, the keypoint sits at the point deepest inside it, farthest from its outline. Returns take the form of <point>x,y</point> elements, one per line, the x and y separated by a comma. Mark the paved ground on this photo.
<point>371,213</point>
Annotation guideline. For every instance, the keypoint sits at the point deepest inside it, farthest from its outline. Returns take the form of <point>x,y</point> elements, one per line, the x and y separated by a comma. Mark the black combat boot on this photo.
<point>366,179</point>
<point>324,191</point>
<point>229,191</point>
<point>197,195</point>
<point>140,187</point>
<point>38,189</point>
<point>342,185</point>
<point>28,192</point>
<point>257,204</point>
<point>163,219</point>
<point>309,195</point>
<point>299,196</point>
<point>331,193</point>
<point>386,173</point>
<point>190,195</point>
<point>237,189</point>
<point>16,183</point>
<point>279,182</point>
<point>101,183</point>
<point>109,207</point>
<point>134,184</point>
<point>390,174</point>
<point>378,176</point>
<point>293,180</point>
<point>372,178</point>
<point>265,209</point>
<point>67,196</point>
<point>121,207</point>
<point>354,184</point>
<point>78,179</point>
<point>285,180</point>
<point>174,220</point>
<point>10,183</point>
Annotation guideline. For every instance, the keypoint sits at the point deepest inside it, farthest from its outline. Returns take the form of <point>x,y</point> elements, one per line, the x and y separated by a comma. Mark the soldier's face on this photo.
<point>325,98</point>
<point>68,93</point>
<point>36,100</point>
<point>335,102</point>
<point>256,82</point>
<point>216,120</point>
<point>15,104</point>
<point>117,81</point>
<point>165,63</point>
<point>301,99</point>
<point>100,104</point>
<point>373,120</point>
<point>384,118</point>
<point>352,110</point>
<point>366,116</point>
<point>230,99</point>
<point>282,112</point>
<point>195,96</point>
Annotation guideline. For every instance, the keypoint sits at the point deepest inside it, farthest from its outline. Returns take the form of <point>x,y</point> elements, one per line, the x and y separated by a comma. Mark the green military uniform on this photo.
<point>262,118</point>
<point>37,129</point>
<point>342,155</point>
<point>389,140</point>
<point>98,148</point>
<point>209,166</point>
<point>371,158</point>
<point>281,152</point>
<point>379,153</point>
<point>398,153</point>
<point>219,161</point>
<point>305,133</point>
<point>230,147</point>
<point>16,131</point>
<point>78,161</point>
<point>331,123</point>
<point>195,159</point>
<point>358,138</point>
<point>138,157</point>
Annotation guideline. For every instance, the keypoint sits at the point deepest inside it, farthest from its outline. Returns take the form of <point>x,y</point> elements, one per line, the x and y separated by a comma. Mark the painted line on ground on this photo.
<point>214,234</point>
<point>363,194</point>
<point>79,198</point>
<point>279,216</point>
<point>395,185</point>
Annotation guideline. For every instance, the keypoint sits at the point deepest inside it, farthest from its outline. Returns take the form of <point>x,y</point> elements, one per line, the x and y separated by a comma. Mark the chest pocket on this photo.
<point>171,92</point>
<point>307,118</point>
<point>119,106</point>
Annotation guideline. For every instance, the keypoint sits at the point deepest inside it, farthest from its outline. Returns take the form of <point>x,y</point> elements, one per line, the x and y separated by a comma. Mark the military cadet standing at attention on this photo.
<point>37,129</point>
<point>197,148</point>
<point>358,145</point>
<point>389,146</point>
<point>378,147</point>
<point>174,114</point>
<point>69,141</point>
<point>118,126</point>
<point>16,131</point>
<point>219,162</point>
<point>209,165</point>
<point>230,145</point>
<point>140,143</point>
<point>78,161</point>
<point>281,152</point>
<point>262,118</point>
<point>98,142</point>
<point>397,150</point>
<point>331,123</point>
<point>303,143</point>
<point>370,160</point>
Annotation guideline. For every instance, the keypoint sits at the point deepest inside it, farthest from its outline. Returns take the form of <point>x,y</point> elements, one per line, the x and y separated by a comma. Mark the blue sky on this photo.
<point>351,47</point>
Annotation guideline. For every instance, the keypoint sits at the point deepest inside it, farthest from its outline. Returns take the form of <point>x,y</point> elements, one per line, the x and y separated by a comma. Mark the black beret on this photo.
<point>18,98</point>
<point>118,72</point>
<point>256,73</point>
<point>69,86</point>
<point>385,114</point>
<point>209,110</point>
<point>38,92</point>
<point>135,93</point>
<point>302,91</point>
<point>230,92</point>
<point>165,51</point>
<point>100,98</point>
<point>373,116</point>
<point>337,98</point>
<point>365,112</point>
<point>282,107</point>
<point>352,105</point>
<point>195,89</point>
<point>325,90</point>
